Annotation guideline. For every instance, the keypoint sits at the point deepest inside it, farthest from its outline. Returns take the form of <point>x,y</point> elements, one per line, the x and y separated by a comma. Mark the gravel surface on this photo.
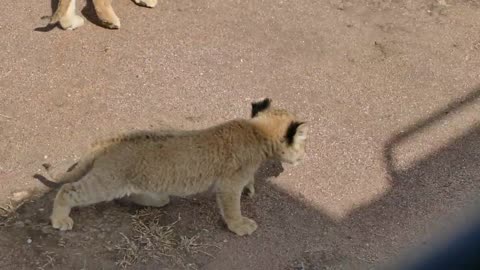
<point>389,88</point>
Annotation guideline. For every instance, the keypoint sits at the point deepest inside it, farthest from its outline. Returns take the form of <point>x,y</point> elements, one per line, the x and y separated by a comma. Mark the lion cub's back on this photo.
<point>177,163</point>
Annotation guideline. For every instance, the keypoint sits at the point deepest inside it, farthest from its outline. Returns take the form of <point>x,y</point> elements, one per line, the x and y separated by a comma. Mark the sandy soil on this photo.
<point>390,88</point>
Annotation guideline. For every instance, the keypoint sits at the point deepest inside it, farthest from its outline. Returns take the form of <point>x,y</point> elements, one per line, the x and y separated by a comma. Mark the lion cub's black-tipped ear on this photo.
<point>260,106</point>
<point>295,129</point>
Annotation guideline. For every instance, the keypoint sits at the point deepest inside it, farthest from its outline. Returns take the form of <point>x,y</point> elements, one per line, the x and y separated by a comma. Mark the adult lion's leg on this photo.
<point>66,15</point>
<point>106,13</point>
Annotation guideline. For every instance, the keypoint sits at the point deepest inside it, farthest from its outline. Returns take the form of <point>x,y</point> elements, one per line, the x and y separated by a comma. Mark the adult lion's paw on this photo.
<point>146,3</point>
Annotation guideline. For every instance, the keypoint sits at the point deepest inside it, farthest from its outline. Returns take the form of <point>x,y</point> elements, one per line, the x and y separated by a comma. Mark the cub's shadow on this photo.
<point>270,168</point>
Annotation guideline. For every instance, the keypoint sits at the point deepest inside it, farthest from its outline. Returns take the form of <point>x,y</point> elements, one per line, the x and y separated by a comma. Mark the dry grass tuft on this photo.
<point>193,246</point>
<point>151,240</point>
<point>150,234</point>
<point>129,252</point>
<point>8,213</point>
<point>50,259</point>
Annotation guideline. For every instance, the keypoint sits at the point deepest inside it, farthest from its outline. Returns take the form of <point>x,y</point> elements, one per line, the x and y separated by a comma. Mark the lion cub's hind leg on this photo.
<point>89,190</point>
<point>149,199</point>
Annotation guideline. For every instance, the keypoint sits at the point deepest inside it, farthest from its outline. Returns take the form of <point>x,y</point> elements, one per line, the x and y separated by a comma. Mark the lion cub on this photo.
<point>149,166</point>
<point>65,13</point>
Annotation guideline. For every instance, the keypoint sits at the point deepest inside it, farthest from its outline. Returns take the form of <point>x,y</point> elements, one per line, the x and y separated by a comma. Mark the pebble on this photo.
<point>19,224</point>
<point>29,241</point>
<point>47,229</point>
<point>20,196</point>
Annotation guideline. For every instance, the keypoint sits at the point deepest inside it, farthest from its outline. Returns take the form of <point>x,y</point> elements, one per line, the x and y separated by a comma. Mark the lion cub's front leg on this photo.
<point>228,199</point>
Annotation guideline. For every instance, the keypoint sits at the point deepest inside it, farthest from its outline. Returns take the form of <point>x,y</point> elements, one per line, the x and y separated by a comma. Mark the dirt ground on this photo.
<point>389,88</point>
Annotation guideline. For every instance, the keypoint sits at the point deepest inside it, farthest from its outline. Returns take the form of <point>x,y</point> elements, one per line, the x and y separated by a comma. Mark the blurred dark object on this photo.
<point>461,251</point>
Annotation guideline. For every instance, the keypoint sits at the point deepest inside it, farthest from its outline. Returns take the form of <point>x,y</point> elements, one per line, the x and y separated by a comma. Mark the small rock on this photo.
<point>61,242</point>
<point>47,230</point>
<point>301,266</point>
<point>19,224</point>
<point>20,196</point>
<point>29,241</point>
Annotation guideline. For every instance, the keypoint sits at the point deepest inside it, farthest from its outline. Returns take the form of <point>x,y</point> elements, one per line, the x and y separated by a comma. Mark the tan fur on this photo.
<point>65,13</point>
<point>149,166</point>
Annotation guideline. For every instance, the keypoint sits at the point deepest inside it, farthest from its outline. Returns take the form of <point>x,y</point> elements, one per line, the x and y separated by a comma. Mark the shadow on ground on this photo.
<point>48,27</point>
<point>444,181</point>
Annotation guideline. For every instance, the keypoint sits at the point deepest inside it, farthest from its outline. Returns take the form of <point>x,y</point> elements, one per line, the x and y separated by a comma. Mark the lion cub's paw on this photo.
<point>146,3</point>
<point>63,224</point>
<point>243,226</point>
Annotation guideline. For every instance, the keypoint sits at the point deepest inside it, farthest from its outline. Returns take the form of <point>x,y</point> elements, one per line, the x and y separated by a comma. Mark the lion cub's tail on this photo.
<point>59,13</point>
<point>73,174</point>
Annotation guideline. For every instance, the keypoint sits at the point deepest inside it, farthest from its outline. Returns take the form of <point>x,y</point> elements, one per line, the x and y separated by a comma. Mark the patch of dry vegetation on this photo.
<point>49,260</point>
<point>149,239</point>
<point>8,213</point>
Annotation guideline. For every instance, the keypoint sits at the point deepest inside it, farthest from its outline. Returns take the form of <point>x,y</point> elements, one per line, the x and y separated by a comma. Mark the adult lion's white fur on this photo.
<point>149,166</point>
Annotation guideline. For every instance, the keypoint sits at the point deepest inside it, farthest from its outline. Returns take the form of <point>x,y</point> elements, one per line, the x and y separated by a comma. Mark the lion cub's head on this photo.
<point>283,128</point>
